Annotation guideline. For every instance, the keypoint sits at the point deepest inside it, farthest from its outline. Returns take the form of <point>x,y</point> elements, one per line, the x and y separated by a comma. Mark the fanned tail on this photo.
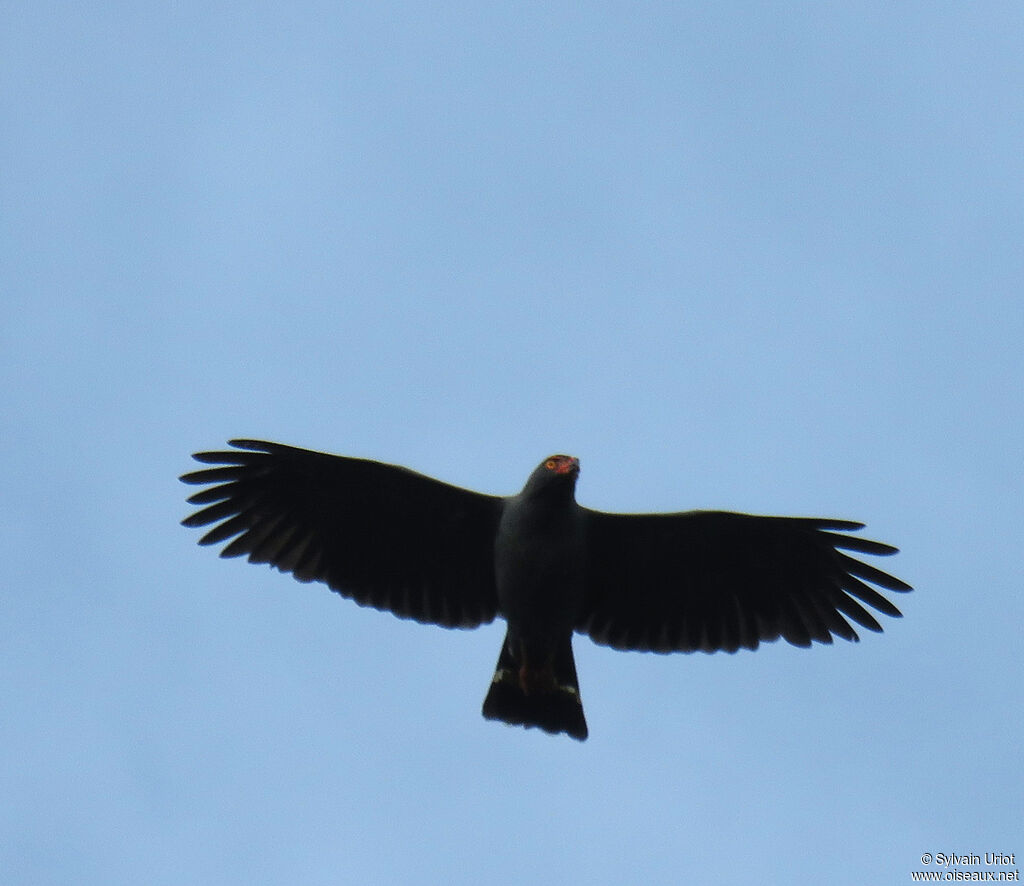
<point>537,690</point>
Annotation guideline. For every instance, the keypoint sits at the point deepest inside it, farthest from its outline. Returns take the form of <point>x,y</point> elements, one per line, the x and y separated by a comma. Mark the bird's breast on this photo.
<point>539,567</point>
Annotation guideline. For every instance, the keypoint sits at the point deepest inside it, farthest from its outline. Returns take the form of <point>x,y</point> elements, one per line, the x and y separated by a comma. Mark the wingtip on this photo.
<point>252,445</point>
<point>830,523</point>
<point>211,458</point>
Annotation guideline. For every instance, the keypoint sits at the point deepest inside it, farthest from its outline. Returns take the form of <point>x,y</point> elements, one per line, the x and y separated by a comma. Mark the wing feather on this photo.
<point>379,534</point>
<point>713,580</point>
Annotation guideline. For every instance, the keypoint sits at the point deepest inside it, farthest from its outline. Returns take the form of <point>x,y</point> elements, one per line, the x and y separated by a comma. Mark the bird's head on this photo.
<point>557,473</point>
<point>561,464</point>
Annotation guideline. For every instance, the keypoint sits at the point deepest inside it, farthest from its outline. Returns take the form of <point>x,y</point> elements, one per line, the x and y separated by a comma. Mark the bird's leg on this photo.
<point>536,679</point>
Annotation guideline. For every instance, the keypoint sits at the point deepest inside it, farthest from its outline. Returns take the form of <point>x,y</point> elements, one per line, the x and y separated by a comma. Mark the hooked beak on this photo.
<point>570,465</point>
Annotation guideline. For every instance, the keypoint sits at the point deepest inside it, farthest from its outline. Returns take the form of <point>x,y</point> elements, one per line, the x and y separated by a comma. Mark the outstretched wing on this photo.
<point>382,535</point>
<point>712,580</point>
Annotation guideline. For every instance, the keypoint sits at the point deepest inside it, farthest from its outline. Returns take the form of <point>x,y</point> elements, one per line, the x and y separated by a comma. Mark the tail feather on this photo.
<point>544,694</point>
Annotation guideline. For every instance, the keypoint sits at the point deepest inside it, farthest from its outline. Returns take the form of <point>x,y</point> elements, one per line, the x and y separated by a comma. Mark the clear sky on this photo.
<point>732,255</point>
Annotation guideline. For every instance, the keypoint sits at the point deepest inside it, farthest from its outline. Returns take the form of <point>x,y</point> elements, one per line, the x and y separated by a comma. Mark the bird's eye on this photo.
<point>550,464</point>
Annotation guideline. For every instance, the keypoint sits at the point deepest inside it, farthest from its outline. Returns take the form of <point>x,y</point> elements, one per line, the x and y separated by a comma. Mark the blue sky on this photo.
<point>732,255</point>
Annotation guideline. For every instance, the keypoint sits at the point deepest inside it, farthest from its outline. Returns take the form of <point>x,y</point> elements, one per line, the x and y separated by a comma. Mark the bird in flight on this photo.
<point>397,540</point>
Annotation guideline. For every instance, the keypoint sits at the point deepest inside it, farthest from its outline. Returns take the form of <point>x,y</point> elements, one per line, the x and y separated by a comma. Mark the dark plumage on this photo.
<point>393,539</point>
